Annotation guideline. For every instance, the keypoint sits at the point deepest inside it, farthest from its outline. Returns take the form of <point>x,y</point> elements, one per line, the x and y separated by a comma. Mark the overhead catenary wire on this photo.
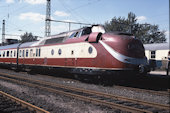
<point>70,23</point>
<point>75,14</point>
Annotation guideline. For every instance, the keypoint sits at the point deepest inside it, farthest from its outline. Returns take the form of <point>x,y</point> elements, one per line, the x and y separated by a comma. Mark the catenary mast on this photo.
<point>3,32</point>
<point>47,20</point>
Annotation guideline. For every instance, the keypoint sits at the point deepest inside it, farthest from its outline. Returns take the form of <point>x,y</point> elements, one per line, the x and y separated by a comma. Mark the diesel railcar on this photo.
<point>89,50</point>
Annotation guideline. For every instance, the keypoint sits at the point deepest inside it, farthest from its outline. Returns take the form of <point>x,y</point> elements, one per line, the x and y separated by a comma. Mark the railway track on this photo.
<point>113,101</point>
<point>162,93</point>
<point>10,104</point>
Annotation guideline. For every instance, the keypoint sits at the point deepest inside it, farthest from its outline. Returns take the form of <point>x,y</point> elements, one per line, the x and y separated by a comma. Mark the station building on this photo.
<point>157,55</point>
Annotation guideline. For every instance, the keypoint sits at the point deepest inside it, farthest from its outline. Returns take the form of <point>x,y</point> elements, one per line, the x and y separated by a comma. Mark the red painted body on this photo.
<point>123,44</point>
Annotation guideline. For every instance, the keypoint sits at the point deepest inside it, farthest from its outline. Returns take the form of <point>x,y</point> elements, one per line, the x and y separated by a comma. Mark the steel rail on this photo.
<point>23,103</point>
<point>157,105</point>
<point>80,97</point>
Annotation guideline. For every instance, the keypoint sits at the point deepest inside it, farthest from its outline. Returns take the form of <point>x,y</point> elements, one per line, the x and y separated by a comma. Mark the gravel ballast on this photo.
<point>54,103</point>
<point>59,103</point>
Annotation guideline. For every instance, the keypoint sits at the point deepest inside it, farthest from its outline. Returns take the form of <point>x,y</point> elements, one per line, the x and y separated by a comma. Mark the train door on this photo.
<point>70,61</point>
<point>19,57</point>
<point>8,56</point>
<point>37,55</point>
<point>23,57</point>
<point>11,56</point>
<point>33,55</point>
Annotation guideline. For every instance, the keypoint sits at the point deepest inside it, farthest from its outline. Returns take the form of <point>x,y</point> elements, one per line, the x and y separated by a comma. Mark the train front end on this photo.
<point>126,51</point>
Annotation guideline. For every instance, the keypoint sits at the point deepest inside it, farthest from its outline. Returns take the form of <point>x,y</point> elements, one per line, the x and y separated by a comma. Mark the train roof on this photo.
<point>157,46</point>
<point>63,35</point>
<point>9,46</point>
<point>27,44</point>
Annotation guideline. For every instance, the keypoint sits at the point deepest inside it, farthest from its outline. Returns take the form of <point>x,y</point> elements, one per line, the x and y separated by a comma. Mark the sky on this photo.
<point>29,15</point>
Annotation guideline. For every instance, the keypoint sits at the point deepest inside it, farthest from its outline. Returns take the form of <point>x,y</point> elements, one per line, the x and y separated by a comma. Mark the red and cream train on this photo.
<point>88,50</point>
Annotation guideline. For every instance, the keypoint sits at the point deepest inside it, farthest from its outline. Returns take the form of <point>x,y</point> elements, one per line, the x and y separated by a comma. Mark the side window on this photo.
<point>86,31</point>
<point>14,53</point>
<point>11,54</point>
<point>27,53</point>
<point>0,53</point>
<point>39,52</point>
<point>72,35</point>
<point>23,53</point>
<point>20,53</point>
<point>153,54</point>
<point>4,54</point>
<point>75,34</point>
<point>31,52</point>
<point>79,34</point>
<point>7,54</point>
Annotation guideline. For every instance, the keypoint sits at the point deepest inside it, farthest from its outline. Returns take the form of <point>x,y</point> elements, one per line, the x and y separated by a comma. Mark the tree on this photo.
<point>28,37</point>
<point>147,33</point>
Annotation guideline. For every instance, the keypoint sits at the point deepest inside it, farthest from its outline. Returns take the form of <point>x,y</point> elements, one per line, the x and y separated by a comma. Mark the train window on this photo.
<point>52,52</point>
<point>0,53</point>
<point>31,52</point>
<point>86,31</point>
<point>4,54</point>
<point>153,54</point>
<point>54,40</point>
<point>74,35</point>
<point>26,53</point>
<point>59,51</point>
<point>79,34</point>
<point>23,53</point>
<point>20,53</point>
<point>14,53</point>
<point>11,54</point>
<point>39,52</point>
<point>36,52</point>
<point>7,54</point>
<point>90,50</point>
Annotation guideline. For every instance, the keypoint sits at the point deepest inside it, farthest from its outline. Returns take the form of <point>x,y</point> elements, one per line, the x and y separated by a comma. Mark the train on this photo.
<point>89,51</point>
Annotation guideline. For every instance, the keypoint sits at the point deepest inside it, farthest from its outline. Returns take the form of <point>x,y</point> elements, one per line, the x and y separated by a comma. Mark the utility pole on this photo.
<point>3,32</point>
<point>47,20</point>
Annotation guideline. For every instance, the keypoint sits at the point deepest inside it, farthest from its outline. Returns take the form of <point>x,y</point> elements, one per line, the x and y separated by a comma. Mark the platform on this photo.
<point>158,72</point>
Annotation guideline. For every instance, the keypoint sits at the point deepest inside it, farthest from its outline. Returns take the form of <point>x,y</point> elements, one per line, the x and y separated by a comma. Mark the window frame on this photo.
<point>153,54</point>
<point>11,53</point>
<point>7,53</point>
<point>27,53</point>
<point>4,54</point>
